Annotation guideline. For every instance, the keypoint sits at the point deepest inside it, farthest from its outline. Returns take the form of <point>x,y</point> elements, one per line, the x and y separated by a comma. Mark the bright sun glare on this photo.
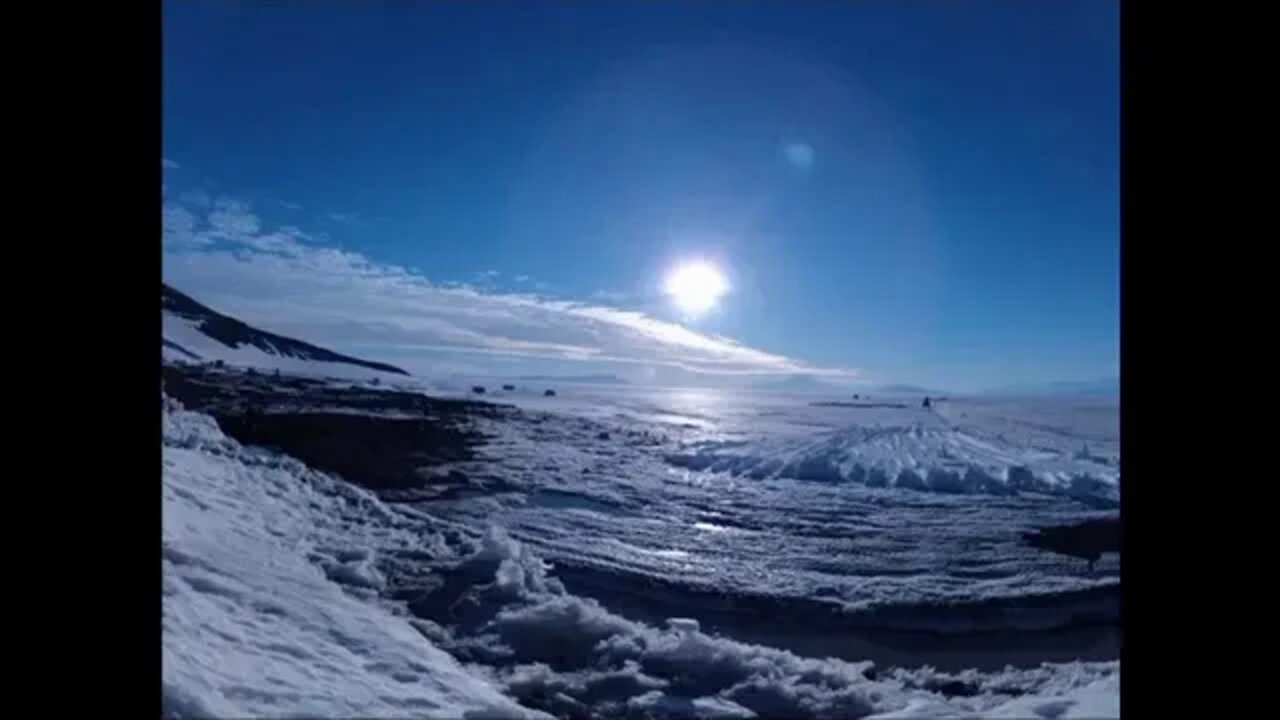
<point>695,287</point>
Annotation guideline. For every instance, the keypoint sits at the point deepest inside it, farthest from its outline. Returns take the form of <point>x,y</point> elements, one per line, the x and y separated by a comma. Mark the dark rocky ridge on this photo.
<point>178,348</point>
<point>405,446</point>
<point>1087,540</point>
<point>837,403</point>
<point>234,333</point>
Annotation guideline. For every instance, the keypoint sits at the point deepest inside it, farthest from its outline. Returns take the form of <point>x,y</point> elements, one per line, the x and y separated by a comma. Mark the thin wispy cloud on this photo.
<point>233,219</point>
<point>799,154</point>
<point>179,226</point>
<point>612,296</point>
<point>345,218</point>
<point>289,282</point>
<point>196,199</point>
<point>521,278</point>
<point>168,164</point>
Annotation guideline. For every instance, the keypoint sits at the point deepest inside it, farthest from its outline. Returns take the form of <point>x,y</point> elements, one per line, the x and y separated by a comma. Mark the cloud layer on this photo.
<point>286,280</point>
<point>344,218</point>
<point>800,155</point>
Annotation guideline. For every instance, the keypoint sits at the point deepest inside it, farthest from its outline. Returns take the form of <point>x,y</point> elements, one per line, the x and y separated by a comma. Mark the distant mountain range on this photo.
<point>1108,387</point>
<point>813,385</point>
<point>804,384</point>
<point>809,384</point>
<point>585,379</point>
<point>901,389</point>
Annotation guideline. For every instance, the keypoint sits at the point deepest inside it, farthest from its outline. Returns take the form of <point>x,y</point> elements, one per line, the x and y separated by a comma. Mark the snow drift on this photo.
<point>256,622</point>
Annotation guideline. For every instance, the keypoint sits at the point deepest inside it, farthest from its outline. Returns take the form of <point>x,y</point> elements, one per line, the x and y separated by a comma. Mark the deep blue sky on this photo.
<point>958,225</point>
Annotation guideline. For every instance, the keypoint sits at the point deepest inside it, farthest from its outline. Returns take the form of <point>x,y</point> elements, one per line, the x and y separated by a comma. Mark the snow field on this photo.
<point>275,604</point>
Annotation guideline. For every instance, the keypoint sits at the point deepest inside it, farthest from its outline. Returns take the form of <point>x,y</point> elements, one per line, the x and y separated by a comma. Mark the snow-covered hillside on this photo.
<point>290,592</point>
<point>193,332</point>
<point>257,623</point>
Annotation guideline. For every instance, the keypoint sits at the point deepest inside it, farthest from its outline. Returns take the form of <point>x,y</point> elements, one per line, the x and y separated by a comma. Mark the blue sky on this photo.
<point>922,192</point>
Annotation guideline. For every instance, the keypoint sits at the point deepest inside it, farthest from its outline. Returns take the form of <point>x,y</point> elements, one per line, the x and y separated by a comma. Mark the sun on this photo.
<point>695,287</point>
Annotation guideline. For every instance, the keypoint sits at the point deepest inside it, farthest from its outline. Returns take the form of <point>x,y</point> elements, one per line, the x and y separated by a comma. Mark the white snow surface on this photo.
<point>253,624</point>
<point>1068,446</point>
<point>769,494</point>
<point>276,602</point>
